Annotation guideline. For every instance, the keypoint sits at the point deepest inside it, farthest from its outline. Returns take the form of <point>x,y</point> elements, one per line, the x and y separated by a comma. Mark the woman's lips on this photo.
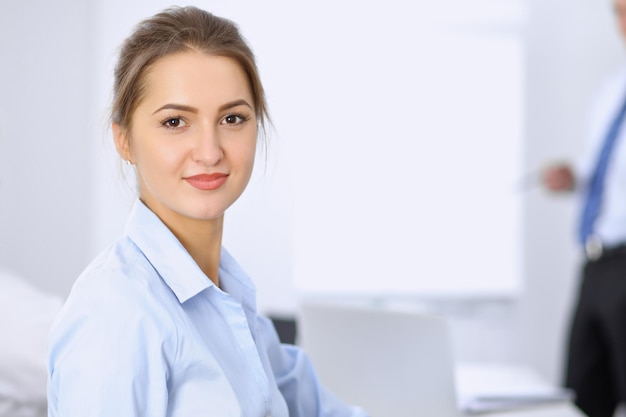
<point>207,182</point>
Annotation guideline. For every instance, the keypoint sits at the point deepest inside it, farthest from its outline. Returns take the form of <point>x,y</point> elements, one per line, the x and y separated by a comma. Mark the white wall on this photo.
<point>406,125</point>
<point>45,178</point>
<point>62,198</point>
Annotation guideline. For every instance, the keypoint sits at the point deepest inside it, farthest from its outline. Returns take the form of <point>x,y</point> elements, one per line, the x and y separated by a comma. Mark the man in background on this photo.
<point>596,360</point>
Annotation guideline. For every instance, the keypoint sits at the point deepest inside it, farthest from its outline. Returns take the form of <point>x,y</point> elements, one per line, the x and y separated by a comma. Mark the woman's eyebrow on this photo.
<point>191,109</point>
<point>234,104</point>
<point>174,106</point>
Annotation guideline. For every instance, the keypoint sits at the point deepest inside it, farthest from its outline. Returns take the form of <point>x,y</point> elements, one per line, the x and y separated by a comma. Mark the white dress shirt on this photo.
<point>144,332</point>
<point>608,99</point>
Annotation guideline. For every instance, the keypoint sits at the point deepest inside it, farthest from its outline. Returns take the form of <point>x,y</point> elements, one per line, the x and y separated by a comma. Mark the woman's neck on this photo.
<point>202,239</point>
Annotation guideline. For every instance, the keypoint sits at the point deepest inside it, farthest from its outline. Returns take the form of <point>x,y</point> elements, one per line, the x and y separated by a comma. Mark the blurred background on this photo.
<point>402,168</point>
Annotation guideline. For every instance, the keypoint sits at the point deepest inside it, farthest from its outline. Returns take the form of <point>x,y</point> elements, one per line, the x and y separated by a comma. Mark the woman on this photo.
<point>164,323</point>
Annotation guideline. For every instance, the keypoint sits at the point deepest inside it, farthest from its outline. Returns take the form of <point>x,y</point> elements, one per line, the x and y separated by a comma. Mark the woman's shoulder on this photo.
<point>121,271</point>
<point>121,289</point>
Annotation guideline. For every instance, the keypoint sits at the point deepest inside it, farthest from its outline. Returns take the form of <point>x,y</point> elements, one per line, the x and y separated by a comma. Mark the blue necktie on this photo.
<point>595,187</point>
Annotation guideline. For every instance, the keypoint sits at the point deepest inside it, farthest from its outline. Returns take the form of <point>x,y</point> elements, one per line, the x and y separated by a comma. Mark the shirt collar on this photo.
<point>236,282</point>
<point>176,267</point>
<point>165,252</point>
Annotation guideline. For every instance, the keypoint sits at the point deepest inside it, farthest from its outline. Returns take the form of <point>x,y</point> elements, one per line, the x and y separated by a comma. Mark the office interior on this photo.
<point>345,154</point>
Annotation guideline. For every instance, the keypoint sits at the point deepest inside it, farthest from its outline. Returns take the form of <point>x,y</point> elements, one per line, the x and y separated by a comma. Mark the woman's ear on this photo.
<point>120,136</point>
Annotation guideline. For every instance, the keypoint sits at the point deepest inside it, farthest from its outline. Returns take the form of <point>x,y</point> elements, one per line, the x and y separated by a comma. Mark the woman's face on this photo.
<point>193,136</point>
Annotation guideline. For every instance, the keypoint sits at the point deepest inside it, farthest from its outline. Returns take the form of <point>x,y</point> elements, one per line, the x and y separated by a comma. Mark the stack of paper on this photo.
<point>483,388</point>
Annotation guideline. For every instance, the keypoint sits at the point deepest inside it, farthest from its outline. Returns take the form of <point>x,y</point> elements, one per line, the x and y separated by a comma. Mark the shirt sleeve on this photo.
<point>298,382</point>
<point>107,357</point>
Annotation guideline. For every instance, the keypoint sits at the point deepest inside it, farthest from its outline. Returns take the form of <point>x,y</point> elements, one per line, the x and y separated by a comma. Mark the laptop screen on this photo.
<point>388,362</point>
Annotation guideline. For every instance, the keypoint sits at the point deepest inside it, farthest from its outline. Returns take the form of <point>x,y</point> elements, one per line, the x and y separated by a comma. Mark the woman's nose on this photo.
<point>207,150</point>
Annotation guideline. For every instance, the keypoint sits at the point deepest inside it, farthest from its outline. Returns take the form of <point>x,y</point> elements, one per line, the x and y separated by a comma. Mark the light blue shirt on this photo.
<point>145,333</point>
<point>607,100</point>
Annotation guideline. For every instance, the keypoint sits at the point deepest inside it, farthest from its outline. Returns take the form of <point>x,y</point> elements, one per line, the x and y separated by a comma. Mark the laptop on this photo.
<point>388,362</point>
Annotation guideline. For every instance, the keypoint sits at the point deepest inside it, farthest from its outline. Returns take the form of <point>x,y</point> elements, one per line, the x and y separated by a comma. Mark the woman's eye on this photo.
<point>174,122</point>
<point>233,119</point>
